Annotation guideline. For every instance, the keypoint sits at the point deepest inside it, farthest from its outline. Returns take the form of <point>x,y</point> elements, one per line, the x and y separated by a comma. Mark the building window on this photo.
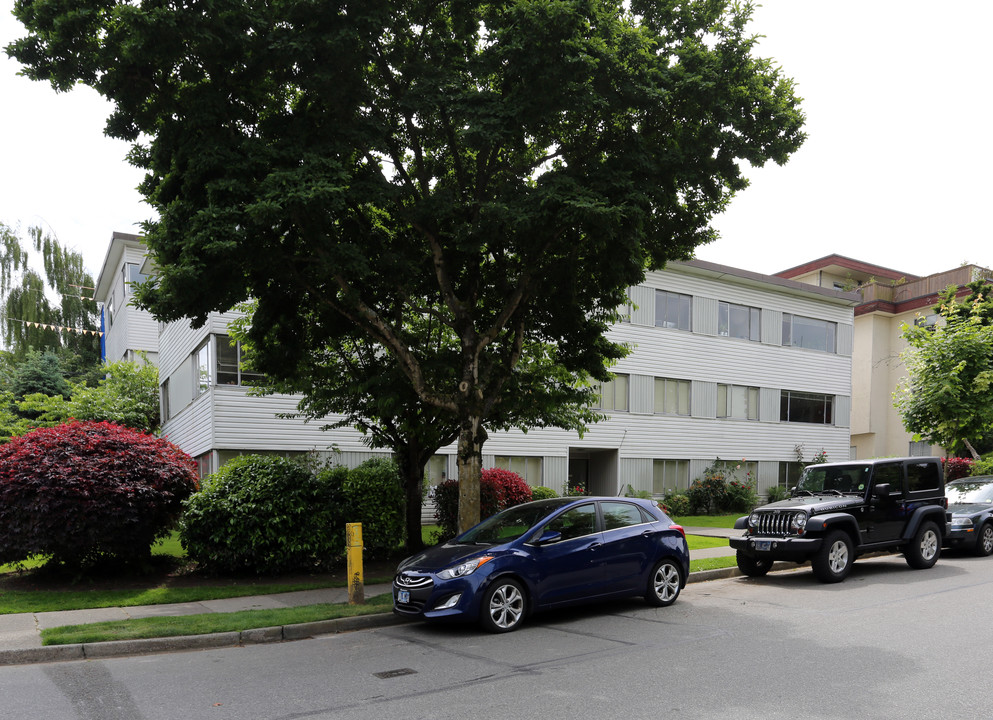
<point>670,475</point>
<point>921,448</point>
<point>806,407</point>
<point>739,321</point>
<point>231,366</point>
<point>164,403</point>
<point>132,276</point>
<point>613,394</point>
<point>110,311</point>
<point>789,473</point>
<point>528,468</point>
<point>809,333</point>
<point>926,321</point>
<point>672,310</point>
<point>201,369</point>
<point>672,397</point>
<point>738,401</point>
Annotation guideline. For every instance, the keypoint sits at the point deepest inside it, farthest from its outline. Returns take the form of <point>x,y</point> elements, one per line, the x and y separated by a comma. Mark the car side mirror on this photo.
<point>881,491</point>
<point>548,537</point>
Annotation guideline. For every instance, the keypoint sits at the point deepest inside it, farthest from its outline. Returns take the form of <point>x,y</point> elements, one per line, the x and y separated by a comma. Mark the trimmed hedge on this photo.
<point>267,514</point>
<point>84,490</point>
<point>264,514</point>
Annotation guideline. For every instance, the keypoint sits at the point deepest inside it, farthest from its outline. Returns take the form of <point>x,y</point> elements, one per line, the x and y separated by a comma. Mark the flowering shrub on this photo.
<point>956,468</point>
<point>720,490</point>
<point>498,489</point>
<point>87,489</point>
<point>676,503</point>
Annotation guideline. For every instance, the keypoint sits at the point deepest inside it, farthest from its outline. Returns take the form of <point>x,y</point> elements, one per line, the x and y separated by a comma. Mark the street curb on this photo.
<point>255,636</point>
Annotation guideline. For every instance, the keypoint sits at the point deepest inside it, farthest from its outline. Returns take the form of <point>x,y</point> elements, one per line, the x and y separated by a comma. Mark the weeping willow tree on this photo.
<point>46,297</point>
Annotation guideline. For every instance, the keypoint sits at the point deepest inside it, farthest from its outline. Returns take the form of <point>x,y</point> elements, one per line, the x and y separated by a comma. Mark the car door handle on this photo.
<point>594,546</point>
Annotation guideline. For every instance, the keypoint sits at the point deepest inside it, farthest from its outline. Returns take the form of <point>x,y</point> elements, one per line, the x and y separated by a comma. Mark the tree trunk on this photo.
<point>412,472</point>
<point>472,435</point>
<point>975,455</point>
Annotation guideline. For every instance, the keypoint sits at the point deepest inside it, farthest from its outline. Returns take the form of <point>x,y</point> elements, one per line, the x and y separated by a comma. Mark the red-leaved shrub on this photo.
<point>498,489</point>
<point>87,489</point>
<point>956,467</point>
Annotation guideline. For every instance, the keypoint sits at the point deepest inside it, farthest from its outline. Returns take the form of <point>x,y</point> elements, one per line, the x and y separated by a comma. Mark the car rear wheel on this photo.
<point>753,566</point>
<point>664,584</point>
<point>503,606</point>
<point>922,552</point>
<point>833,561</point>
<point>984,543</point>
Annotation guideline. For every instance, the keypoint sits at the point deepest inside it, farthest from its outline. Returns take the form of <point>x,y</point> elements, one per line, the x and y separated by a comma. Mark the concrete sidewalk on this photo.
<point>20,638</point>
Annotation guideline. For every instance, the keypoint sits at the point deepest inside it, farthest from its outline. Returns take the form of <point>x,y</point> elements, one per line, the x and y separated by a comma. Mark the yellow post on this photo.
<point>353,553</point>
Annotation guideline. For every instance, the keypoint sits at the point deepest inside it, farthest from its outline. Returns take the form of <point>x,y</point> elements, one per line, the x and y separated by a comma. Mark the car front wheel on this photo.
<point>503,606</point>
<point>922,552</point>
<point>833,561</point>
<point>664,584</point>
<point>984,543</point>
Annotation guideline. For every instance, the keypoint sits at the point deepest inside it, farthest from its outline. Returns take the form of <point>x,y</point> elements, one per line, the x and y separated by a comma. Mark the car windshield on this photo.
<point>510,524</point>
<point>970,492</point>
<point>834,479</point>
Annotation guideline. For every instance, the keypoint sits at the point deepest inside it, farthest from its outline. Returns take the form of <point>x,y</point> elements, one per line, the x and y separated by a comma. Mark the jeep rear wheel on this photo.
<point>922,552</point>
<point>753,566</point>
<point>833,561</point>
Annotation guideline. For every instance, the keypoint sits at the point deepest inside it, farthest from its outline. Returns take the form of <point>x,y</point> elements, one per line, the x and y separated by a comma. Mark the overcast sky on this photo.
<point>896,169</point>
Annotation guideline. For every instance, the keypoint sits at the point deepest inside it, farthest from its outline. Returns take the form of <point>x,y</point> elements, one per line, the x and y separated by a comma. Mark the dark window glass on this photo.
<point>806,407</point>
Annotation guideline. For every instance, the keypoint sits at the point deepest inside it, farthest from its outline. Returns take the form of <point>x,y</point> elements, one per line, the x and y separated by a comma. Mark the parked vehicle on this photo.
<point>838,511</point>
<point>546,554</point>
<point>970,501</point>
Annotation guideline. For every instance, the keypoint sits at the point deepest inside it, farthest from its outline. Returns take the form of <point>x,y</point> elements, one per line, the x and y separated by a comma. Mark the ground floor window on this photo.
<point>789,473</point>
<point>528,468</point>
<point>668,475</point>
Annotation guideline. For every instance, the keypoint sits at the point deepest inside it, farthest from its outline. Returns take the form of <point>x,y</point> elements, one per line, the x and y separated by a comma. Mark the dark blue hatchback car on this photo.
<point>546,554</point>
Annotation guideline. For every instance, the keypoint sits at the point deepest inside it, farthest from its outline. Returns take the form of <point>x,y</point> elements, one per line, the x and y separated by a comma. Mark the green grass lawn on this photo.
<point>714,521</point>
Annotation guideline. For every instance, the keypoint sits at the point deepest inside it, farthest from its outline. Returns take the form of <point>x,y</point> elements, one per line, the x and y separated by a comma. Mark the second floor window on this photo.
<point>672,310</point>
<point>809,333</point>
<point>806,407</point>
<point>672,397</point>
<point>230,365</point>
<point>738,401</point>
<point>739,321</point>
<point>614,394</point>
<point>201,369</point>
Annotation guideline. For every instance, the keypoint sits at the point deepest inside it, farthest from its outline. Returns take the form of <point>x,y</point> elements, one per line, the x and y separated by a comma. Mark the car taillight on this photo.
<point>679,528</point>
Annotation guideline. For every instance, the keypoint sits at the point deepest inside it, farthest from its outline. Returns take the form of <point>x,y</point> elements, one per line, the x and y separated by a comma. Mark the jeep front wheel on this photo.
<point>922,552</point>
<point>753,566</point>
<point>833,561</point>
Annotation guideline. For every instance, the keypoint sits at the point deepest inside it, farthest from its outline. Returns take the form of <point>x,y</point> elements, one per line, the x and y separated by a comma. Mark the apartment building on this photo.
<point>726,363</point>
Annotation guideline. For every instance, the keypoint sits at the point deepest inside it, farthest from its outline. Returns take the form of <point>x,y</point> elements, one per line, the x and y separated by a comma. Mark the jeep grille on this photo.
<point>774,523</point>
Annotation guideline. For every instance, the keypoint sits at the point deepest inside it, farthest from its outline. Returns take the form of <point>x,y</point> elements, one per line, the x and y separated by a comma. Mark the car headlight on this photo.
<point>466,568</point>
<point>961,522</point>
<point>799,522</point>
<point>753,520</point>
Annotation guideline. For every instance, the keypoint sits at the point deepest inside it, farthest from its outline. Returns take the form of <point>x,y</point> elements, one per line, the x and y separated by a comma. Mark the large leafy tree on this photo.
<point>947,398</point>
<point>46,298</point>
<point>506,169</point>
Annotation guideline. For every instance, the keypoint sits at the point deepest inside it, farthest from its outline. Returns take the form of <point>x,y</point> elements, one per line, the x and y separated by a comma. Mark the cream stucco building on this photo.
<point>890,299</point>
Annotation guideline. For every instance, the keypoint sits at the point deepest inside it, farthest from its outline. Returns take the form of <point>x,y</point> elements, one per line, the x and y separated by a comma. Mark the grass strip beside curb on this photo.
<point>159,627</point>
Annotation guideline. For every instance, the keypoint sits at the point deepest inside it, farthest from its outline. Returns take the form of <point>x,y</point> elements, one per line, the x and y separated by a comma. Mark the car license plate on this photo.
<point>403,596</point>
<point>763,544</point>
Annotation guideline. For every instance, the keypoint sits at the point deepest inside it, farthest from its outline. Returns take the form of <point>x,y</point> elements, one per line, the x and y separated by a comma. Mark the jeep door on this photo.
<point>886,516</point>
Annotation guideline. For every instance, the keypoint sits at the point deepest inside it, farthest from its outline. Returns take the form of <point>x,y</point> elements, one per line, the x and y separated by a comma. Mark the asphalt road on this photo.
<point>889,642</point>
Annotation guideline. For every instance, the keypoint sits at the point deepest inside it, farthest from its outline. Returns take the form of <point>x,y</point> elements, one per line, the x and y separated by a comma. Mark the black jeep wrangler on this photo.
<point>838,511</point>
